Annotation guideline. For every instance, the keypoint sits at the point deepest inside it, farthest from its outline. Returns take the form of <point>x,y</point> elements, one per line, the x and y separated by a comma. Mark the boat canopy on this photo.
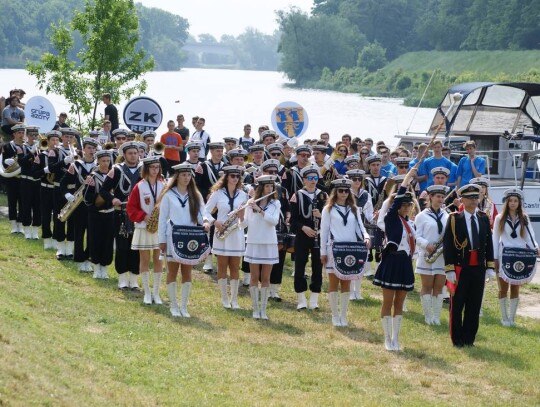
<point>490,109</point>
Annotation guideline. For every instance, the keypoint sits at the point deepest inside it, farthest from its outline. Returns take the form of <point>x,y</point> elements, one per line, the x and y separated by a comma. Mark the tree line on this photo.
<point>367,33</point>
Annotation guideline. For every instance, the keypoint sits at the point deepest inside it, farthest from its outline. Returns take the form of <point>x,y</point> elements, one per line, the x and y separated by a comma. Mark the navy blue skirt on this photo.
<point>395,272</point>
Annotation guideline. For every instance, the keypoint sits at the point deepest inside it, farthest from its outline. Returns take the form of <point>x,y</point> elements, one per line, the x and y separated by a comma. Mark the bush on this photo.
<point>372,57</point>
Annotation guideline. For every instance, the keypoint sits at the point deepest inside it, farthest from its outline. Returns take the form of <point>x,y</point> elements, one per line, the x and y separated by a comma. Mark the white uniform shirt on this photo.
<point>427,231</point>
<point>204,140</point>
<point>262,226</point>
<point>332,223</point>
<point>220,200</point>
<point>171,209</point>
<point>505,239</point>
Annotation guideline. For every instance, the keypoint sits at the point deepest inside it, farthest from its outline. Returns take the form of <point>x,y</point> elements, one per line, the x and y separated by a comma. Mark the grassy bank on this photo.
<point>69,340</point>
<point>408,76</point>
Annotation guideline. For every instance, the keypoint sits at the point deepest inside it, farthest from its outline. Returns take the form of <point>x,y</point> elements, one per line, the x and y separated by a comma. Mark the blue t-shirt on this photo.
<point>340,167</point>
<point>388,170</point>
<point>429,164</point>
<point>453,174</point>
<point>465,171</point>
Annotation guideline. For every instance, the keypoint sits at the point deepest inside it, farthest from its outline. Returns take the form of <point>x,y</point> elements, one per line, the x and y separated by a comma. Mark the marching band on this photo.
<point>337,213</point>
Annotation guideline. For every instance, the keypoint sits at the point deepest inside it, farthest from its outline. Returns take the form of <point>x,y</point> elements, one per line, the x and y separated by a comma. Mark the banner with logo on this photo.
<point>39,112</point>
<point>289,119</point>
<point>142,114</point>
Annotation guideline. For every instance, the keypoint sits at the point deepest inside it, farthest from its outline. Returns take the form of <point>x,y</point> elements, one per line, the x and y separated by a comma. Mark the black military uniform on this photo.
<point>375,187</point>
<point>468,251</point>
<point>14,151</point>
<point>29,189</point>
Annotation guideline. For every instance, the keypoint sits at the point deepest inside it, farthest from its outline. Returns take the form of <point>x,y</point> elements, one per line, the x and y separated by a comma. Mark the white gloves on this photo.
<point>9,161</point>
<point>451,276</point>
<point>490,273</point>
<point>33,148</point>
<point>69,197</point>
<point>46,170</point>
<point>328,164</point>
<point>69,159</point>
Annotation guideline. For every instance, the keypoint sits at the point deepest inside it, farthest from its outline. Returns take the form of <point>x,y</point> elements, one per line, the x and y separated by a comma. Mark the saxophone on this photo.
<point>434,255</point>
<point>153,222</point>
<point>69,207</point>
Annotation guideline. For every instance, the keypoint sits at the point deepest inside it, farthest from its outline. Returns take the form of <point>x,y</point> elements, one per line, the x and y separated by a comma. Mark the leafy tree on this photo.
<point>108,62</point>
<point>372,57</point>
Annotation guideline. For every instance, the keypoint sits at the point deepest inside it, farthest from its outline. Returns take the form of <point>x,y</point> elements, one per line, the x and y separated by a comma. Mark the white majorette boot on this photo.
<point>514,302</point>
<point>14,227</point>
<point>387,329</point>
<point>368,270</point>
<point>234,294</point>
<point>171,288</point>
<point>97,271</point>
<point>437,308</point>
<point>302,301</point>
<point>344,306</point>
<point>503,305</point>
<point>222,283</point>
<point>396,326</point>
<point>186,289</point>
<point>88,266</point>
<point>427,307</point>
<point>133,283</point>
<point>333,300</point>
<point>69,249</point>
<point>155,288</point>
<point>314,301</point>
<point>47,244</point>
<point>123,281</point>
<point>264,302</point>
<point>254,291</point>
<point>405,309</point>
<point>104,274</point>
<point>27,231</point>
<point>208,266</point>
<point>274,292</point>
<point>35,232</point>
<point>81,267</point>
<point>20,227</point>
<point>60,250</point>
<point>145,277</point>
<point>246,279</point>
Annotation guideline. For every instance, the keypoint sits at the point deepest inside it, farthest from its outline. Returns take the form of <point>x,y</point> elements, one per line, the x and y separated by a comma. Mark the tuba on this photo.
<point>69,207</point>
<point>10,171</point>
<point>157,149</point>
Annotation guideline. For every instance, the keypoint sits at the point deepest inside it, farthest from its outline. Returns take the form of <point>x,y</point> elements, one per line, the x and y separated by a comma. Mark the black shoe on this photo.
<point>277,299</point>
<point>60,257</point>
<point>446,300</point>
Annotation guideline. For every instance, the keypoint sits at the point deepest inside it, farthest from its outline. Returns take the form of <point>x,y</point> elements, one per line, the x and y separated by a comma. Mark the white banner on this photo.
<point>40,112</point>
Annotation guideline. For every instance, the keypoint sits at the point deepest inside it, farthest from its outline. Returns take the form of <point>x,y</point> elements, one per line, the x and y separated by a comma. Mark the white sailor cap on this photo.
<point>233,169</point>
<point>275,147</point>
<point>342,183</point>
<point>268,133</point>
<point>103,153</point>
<point>54,133</point>
<point>184,167</point>
<point>471,191</point>
<point>151,160</point>
<point>230,140</point>
<point>355,173</point>
<point>68,131</point>
<point>513,192</point>
<point>402,160</point>
<point>89,141</point>
<point>126,146</point>
<point>193,145</point>
<point>310,169</point>
<point>124,132</point>
<point>18,127</point>
<point>440,171</point>
<point>237,152</point>
<point>32,130</point>
<point>149,133</point>
<point>256,147</point>
<point>270,164</point>
<point>398,179</point>
<point>142,145</point>
<point>437,189</point>
<point>93,133</point>
<point>216,145</point>
<point>319,148</point>
<point>303,148</point>
<point>351,160</point>
<point>480,181</point>
<point>266,179</point>
<point>374,158</point>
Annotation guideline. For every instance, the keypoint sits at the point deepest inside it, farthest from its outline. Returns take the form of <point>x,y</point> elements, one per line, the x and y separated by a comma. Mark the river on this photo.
<point>228,99</point>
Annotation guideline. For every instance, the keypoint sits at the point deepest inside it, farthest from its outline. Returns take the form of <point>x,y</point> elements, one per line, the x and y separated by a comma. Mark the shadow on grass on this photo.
<point>360,334</point>
<point>427,359</point>
<point>509,359</point>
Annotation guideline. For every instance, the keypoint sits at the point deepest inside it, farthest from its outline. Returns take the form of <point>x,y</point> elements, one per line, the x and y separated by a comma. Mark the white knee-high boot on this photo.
<point>387,329</point>
<point>171,288</point>
<point>333,299</point>
<point>514,302</point>
<point>186,289</point>
<point>437,308</point>
<point>145,277</point>
<point>254,291</point>
<point>155,288</point>
<point>503,305</point>
<point>264,302</point>
<point>222,283</point>
<point>427,307</point>
<point>344,306</point>
<point>234,294</point>
<point>396,327</point>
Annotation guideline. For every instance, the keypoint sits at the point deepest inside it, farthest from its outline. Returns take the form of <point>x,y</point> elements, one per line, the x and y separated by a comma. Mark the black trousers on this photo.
<point>59,228</point>
<point>125,259</point>
<point>80,233</point>
<point>303,247</point>
<point>465,305</point>
<point>277,269</point>
<point>14,198</point>
<point>30,202</point>
<point>47,205</point>
<point>101,237</point>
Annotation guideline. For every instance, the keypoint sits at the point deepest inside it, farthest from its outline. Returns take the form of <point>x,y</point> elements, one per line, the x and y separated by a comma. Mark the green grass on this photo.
<point>69,340</point>
<point>454,62</point>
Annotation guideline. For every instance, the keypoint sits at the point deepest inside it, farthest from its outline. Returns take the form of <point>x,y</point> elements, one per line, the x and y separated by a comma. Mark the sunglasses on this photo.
<point>271,172</point>
<point>234,176</point>
<point>306,155</point>
<point>403,166</point>
<point>364,153</point>
<point>356,179</point>
<point>312,178</point>
<point>343,151</point>
<point>120,138</point>
<point>343,190</point>
<point>275,154</point>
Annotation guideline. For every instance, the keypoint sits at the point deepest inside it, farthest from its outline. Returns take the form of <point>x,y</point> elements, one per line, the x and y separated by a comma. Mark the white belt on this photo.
<point>51,186</point>
<point>106,210</point>
<point>30,178</point>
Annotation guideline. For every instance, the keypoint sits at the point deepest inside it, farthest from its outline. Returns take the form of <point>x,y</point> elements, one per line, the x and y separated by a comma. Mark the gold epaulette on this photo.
<point>449,267</point>
<point>490,264</point>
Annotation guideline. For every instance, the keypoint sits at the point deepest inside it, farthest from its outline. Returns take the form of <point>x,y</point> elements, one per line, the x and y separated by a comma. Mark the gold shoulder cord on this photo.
<point>460,246</point>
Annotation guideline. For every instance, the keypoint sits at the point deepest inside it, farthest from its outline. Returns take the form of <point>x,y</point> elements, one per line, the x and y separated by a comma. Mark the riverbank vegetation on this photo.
<point>67,339</point>
<point>372,47</point>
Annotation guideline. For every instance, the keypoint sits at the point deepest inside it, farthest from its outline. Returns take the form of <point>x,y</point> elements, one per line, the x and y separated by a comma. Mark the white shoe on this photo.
<point>123,281</point>
<point>302,301</point>
<point>274,292</point>
<point>314,301</point>
<point>208,266</point>
<point>246,279</point>
<point>254,292</point>
<point>368,270</point>
<point>133,283</point>
<point>264,302</point>
<point>14,227</point>
<point>81,267</point>
<point>387,329</point>
<point>60,250</point>
<point>47,244</point>
<point>333,299</point>
<point>69,248</point>
<point>222,283</point>
<point>35,232</point>
<point>104,274</point>
<point>234,294</point>
<point>97,271</point>
<point>88,266</point>
<point>20,227</point>
<point>186,289</point>
<point>155,288</point>
<point>344,306</point>
<point>171,288</point>
<point>145,277</point>
<point>27,231</point>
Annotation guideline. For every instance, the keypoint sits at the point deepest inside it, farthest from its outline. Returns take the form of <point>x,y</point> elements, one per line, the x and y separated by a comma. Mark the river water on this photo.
<point>228,99</point>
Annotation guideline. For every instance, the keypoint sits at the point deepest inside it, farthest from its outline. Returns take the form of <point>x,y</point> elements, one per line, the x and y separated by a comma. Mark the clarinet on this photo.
<point>315,222</point>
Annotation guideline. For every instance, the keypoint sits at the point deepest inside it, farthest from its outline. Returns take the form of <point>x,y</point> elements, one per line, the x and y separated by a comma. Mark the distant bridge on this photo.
<point>200,49</point>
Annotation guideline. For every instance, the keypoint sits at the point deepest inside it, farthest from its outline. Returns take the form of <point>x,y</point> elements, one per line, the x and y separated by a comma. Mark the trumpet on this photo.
<point>158,148</point>
<point>43,144</point>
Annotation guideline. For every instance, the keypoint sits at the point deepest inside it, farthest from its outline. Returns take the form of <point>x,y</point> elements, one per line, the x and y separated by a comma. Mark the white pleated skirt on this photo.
<point>233,245</point>
<point>261,253</point>
<point>143,240</point>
